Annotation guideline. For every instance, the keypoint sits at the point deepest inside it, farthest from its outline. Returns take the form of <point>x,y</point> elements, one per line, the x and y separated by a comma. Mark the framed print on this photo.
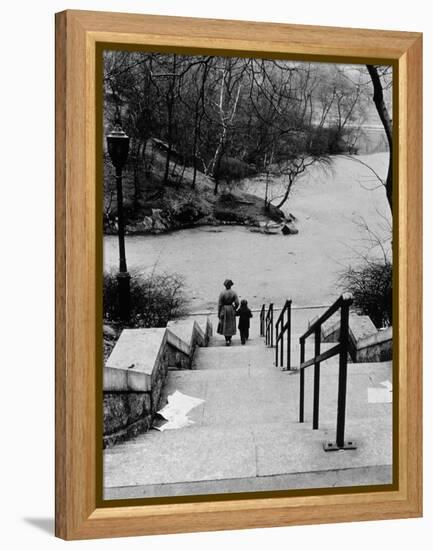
<point>238,274</point>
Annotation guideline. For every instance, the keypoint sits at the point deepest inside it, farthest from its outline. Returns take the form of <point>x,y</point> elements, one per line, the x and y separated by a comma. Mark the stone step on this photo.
<point>219,342</point>
<point>233,357</point>
<point>239,452</point>
<point>347,477</point>
<point>271,396</point>
<point>259,342</point>
<point>248,427</point>
<point>253,352</point>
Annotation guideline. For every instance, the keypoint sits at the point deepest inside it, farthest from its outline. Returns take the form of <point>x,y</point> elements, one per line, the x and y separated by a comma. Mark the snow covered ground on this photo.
<point>329,206</point>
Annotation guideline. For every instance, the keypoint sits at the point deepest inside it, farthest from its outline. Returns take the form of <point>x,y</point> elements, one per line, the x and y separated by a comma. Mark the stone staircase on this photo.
<point>246,435</point>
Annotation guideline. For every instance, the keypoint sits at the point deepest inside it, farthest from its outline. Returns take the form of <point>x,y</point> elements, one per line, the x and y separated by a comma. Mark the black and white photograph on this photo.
<point>247,275</point>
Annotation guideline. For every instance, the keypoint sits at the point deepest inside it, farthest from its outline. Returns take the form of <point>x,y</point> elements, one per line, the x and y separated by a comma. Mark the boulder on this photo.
<point>187,213</point>
<point>289,229</point>
<point>159,224</point>
<point>147,223</point>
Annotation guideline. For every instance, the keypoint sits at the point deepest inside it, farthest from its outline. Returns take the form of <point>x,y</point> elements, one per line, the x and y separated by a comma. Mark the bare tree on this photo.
<point>199,113</point>
<point>228,116</point>
<point>382,111</point>
<point>291,170</point>
<point>229,92</point>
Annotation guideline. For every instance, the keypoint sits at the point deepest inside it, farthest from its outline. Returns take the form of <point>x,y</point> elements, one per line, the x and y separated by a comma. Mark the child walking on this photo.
<point>245,315</point>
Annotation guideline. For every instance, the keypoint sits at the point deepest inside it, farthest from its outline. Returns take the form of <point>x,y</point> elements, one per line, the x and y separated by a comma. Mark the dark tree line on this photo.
<point>232,117</point>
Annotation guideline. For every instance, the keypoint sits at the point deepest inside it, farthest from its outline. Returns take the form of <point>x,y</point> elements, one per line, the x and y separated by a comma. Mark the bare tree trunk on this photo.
<point>382,111</point>
<point>137,159</point>
<point>169,121</point>
<point>194,159</point>
<point>198,120</point>
<point>170,107</point>
<point>217,159</point>
<point>265,170</point>
<point>267,202</point>
<point>226,117</point>
<point>286,194</point>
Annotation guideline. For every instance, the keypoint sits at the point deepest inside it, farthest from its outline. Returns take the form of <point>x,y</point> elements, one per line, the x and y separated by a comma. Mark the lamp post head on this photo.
<point>118,146</point>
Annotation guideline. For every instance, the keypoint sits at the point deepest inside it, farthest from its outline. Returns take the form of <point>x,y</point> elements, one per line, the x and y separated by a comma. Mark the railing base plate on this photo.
<point>332,446</point>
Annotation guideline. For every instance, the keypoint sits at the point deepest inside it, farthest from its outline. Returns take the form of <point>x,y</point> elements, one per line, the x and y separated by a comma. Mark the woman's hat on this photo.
<point>228,282</point>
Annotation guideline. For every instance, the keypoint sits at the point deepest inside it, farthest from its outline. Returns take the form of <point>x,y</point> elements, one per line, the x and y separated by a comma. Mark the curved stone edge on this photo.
<point>369,345</point>
<point>136,371</point>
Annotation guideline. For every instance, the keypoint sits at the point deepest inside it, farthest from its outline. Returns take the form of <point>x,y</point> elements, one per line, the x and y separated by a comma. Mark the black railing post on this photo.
<point>268,328</point>
<point>283,329</point>
<point>272,325</point>
<point>261,320</point>
<point>342,380</point>
<point>301,381</point>
<point>342,349</point>
<point>282,341</point>
<point>342,373</point>
<point>316,391</point>
<point>289,334</point>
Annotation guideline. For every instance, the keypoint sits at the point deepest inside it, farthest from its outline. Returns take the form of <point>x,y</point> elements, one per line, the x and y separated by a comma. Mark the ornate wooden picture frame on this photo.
<point>80,511</point>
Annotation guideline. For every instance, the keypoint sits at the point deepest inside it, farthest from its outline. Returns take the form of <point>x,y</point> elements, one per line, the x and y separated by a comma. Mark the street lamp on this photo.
<point>118,148</point>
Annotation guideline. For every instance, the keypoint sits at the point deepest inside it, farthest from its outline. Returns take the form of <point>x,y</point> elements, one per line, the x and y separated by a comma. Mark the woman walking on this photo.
<point>227,304</point>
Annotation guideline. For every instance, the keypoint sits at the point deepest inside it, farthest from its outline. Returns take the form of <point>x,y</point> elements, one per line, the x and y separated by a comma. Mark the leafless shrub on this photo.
<point>155,299</point>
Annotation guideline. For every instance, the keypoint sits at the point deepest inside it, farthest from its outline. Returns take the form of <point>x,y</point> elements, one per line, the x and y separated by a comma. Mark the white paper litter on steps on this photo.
<point>380,395</point>
<point>176,410</point>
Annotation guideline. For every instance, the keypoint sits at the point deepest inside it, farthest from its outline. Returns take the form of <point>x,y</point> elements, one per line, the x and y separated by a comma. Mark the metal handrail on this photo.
<point>269,326</point>
<point>328,313</point>
<point>342,348</point>
<point>283,327</point>
<point>262,320</point>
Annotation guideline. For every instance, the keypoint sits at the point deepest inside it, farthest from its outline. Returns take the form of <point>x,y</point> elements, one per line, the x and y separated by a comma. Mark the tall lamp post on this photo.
<point>118,148</point>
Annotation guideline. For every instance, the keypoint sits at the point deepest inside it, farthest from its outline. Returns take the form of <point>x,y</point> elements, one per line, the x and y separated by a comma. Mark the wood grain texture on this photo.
<point>77,33</point>
<point>414,266</point>
<point>60,247</point>
<point>249,36</point>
